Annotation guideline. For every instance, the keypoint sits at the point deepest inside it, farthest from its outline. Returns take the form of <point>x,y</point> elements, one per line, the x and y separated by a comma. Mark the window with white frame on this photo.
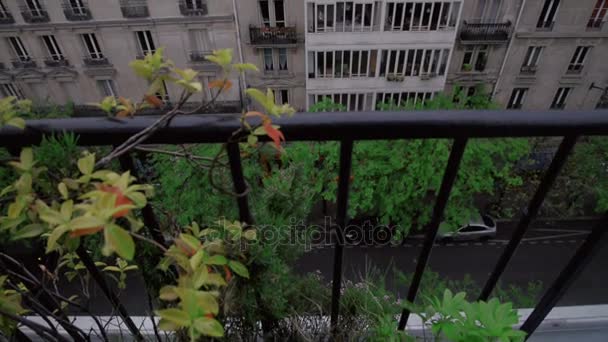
<point>35,7</point>
<point>195,4</point>
<point>598,16</point>
<point>547,14</point>
<point>559,101</point>
<point>11,89</point>
<point>475,58</point>
<point>200,40</point>
<point>414,62</point>
<point>282,52</point>
<point>52,47</point>
<point>145,43</point>
<point>272,13</point>
<point>342,64</point>
<point>517,98</point>
<point>578,59</point>
<point>530,62</point>
<point>77,6</point>
<point>343,16</point>
<point>91,46</point>
<point>390,100</point>
<point>487,10</point>
<point>19,49</point>
<point>351,101</point>
<point>4,12</point>
<point>421,16</point>
<point>106,87</point>
<point>268,60</point>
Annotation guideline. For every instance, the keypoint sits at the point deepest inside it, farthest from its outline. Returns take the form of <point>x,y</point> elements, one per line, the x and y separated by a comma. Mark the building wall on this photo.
<point>116,36</point>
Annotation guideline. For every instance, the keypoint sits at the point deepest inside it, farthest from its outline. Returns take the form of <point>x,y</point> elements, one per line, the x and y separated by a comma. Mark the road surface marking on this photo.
<point>555,236</point>
<point>562,230</point>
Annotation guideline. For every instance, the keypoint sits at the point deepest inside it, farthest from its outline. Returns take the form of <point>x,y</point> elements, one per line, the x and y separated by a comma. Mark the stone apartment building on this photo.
<point>76,50</point>
<point>529,54</point>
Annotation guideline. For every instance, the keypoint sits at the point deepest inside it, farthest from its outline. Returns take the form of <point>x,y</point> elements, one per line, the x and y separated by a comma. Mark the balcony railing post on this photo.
<point>547,181</point>
<point>567,276</point>
<point>346,153</point>
<point>238,179</point>
<point>449,176</point>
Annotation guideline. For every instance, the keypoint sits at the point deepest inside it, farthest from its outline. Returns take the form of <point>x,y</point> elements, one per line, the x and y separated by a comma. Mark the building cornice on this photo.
<point>94,24</point>
<point>561,35</point>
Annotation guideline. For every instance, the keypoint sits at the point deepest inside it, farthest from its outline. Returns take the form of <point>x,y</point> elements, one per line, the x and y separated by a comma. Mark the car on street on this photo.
<point>481,227</point>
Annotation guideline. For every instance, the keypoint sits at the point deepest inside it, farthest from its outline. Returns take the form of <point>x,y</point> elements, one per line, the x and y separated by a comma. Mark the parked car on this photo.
<point>482,227</point>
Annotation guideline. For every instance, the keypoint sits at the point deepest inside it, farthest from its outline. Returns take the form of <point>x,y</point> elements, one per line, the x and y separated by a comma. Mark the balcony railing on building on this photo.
<point>97,61</point>
<point>77,13</point>
<point>273,35</point>
<point>55,62</point>
<point>34,15</point>
<point>199,56</point>
<point>478,31</point>
<point>6,17</point>
<point>24,63</point>
<point>193,7</point>
<point>528,70</point>
<point>134,9</point>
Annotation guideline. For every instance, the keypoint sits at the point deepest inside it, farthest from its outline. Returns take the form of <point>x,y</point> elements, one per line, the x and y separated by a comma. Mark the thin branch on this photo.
<point>39,329</point>
<point>143,238</point>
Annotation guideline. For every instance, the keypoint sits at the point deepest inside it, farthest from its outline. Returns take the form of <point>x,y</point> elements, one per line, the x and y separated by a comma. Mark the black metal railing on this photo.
<point>77,13</point>
<point>273,35</point>
<point>485,32</point>
<point>348,128</point>
<point>528,69</point>
<point>193,8</point>
<point>23,63</point>
<point>32,16</point>
<point>595,24</point>
<point>90,61</point>
<point>6,18</point>
<point>54,63</point>
<point>134,8</point>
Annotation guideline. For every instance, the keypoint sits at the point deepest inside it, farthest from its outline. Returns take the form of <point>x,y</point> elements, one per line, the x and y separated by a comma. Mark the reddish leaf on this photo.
<point>86,231</point>
<point>274,134</point>
<point>122,114</point>
<point>209,315</point>
<point>220,84</point>
<point>154,101</point>
<point>184,247</point>
<point>120,199</point>
<point>228,274</point>
<point>254,113</point>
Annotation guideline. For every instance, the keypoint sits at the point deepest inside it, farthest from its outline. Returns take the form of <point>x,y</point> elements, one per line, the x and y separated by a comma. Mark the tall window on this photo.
<point>35,7</point>
<point>531,60</point>
<point>4,12</point>
<point>559,101</point>
<point>414,62</point>
<point>107,88</point>
<point>401,99</point>
<point>603,101</point>
<point>195,4</point>
<point>487,10</point>
<point>145,43</point>
<point>282,96</point>
<point>19,49</point>
<point>282,59</point>
<point>598,16</point>
<point>351,101</point>
<point>578,59</point>
<point>11,89</point>
<point>200,41</point>
<point>77,6</point>
<point>91,45</point>
<point>52,47</point>
<point>268,62</point>
<point>342,16</point>
<point>517,98</point>
<point>343,64</point>
<point>547,14</point>
<point>420,16</point>
<point>272,13</point>
<point>475,58</point>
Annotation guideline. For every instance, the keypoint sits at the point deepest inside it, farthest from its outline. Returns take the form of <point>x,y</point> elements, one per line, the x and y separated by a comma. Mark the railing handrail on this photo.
<point>216,128</point>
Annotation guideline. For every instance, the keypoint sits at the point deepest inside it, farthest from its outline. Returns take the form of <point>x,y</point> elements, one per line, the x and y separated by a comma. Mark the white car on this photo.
<point>482,227</point>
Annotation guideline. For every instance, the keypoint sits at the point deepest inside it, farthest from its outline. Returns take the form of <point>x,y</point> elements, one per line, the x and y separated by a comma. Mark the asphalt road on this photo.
<point>544,251</point>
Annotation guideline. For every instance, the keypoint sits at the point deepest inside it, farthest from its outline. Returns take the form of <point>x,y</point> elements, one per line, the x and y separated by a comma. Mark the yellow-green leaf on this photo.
<point>63,190</point>
<point>120,241</point>
<point>16,122</point>
<point>208,327</point>
<point>168,293</point>
<point>238,268</point>
<point>245,66</point>
<point>29,231</point>
<point>175,316</point>
<point>86,164</point>
<point>85,222</point>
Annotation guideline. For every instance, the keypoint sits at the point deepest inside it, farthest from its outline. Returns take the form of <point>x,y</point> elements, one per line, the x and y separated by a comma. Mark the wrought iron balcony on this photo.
<point>34,16</point>
<point>199,56</point>
<point>477,31</point>
<point>19,63</point>
<point>6,18</point>
<point>90,61</point>
<point>273,35</point>
<point>134,9</point>
<point>76,13</point>
<point>193,8</point>
<point>528,69</point>
<point>55,63</point>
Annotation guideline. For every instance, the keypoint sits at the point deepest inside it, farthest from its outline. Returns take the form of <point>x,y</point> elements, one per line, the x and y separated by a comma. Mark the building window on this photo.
<point>107,88</point>
<point>531,60</point>
<point>273,13</point>
<point>35,8</point>
<point>281,96</point>
<point>92,46</point>
<point>282,59</point>
<point>547,14</point>
<point>195,4</point>
<point>145,43</point>
<point>559,101</point>
<point>343,64</point>
<point>4,12</point>
<point>11,89</point>
<point>52,47</point>
<point>78,7</point>
<point>415,62</point>
<point>393,100</point>
<point>19,49</point>
<point>343,16</point>
<point>268,63</point>
<point>603,101</point>
<point>421,16</point>
<point>598,16</point>
<point>351,101</point>
<point>578,59</point>
<point>517,98</point>
<point>475,58</point>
